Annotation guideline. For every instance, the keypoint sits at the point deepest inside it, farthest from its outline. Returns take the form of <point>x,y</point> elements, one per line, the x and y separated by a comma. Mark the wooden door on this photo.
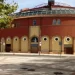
<point>8,47</point>
<point>68,50</point>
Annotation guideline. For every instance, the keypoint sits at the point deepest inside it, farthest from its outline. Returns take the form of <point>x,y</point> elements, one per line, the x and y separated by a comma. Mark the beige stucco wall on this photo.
<point>24,44</point>
<point>56,48</point>
<point>8,40</point>
<point>45,47</point>
<point>34,31</point>
<point>16,44</point>
<point>68,42</point>
<point>2,45</point>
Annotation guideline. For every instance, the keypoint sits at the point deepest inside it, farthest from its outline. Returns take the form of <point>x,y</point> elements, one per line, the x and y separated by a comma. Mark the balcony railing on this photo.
<point>44,12</point>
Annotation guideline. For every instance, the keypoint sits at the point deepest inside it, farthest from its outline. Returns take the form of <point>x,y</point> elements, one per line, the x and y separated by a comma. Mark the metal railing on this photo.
<point>44,12</point>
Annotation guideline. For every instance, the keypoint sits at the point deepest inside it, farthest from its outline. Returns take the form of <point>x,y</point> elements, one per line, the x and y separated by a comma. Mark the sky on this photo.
<point>32,3</point>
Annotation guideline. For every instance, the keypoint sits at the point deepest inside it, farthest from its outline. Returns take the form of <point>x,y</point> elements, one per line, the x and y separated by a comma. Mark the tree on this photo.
<point>6,10</point>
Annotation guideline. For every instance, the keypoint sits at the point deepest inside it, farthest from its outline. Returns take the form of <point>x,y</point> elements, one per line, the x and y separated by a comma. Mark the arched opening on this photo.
<point>16,44</point>
<point>45,44</point>
<point>24,44</point>
<point>34,39</point>
<point>68,45</point>
<point>56,44</point>
<point>34,45</point>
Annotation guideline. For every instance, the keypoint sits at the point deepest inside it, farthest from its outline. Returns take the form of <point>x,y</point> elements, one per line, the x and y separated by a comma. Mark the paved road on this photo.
<point>36,65</point>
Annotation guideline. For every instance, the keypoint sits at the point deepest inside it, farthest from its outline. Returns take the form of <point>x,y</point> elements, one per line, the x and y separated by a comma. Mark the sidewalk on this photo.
<point>32,54</point>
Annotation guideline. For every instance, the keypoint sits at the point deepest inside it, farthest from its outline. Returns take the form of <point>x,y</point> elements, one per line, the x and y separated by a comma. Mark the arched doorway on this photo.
<point>34,45</point>
<point>45,44</point>
<point>56,44</point>
<point>68,45</point>
<point>16,44</point>
<point>24,44</point>
<point>8,45</point>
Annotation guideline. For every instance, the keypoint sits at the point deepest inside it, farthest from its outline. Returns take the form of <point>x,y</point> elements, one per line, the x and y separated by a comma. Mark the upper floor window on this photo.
<point>54,22</point>
<point>58,22</point>
<point>34,22</point>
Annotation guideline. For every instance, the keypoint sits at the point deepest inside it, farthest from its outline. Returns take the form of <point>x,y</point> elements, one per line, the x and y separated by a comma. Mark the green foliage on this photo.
<point>5,10</point>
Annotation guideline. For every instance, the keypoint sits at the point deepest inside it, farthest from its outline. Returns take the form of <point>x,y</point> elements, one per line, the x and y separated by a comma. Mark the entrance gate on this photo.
<point>34,45</point>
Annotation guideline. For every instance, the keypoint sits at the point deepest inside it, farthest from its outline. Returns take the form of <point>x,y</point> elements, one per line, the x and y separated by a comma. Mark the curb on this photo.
<point>35,54</point>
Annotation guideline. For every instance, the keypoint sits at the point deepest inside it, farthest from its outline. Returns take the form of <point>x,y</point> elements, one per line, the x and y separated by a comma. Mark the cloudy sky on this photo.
<point>32,3</point>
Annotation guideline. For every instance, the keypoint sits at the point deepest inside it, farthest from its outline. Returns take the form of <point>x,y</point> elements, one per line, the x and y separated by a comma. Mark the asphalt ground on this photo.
<point>35,64</point>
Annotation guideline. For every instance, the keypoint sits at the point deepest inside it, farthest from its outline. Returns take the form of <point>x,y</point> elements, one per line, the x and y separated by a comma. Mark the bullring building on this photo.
<point>47,28</point>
